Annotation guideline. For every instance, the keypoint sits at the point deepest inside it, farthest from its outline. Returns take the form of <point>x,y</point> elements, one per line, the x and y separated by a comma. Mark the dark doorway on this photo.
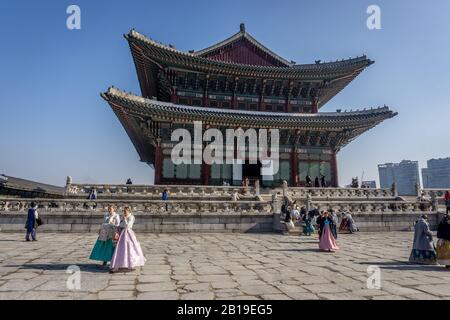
<point>252,171</point>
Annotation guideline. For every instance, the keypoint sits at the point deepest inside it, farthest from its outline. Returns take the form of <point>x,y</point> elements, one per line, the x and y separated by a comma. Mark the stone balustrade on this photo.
<point>185,207</point>
<point>155,191</point>
<point>368,207</point>
<point>436,195</point>
<point>82,215</point>
<point>223,192</point>
<point>341,193</point>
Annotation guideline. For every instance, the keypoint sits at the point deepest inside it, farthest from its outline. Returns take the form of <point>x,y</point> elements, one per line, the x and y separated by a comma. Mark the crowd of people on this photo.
<point>325,222</point>
<point>424,250</point>
<point>319,182</point>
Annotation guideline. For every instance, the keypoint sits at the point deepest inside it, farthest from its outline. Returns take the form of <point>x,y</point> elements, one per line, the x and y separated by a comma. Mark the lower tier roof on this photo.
<point>166,111</point>
<point>334,128</point>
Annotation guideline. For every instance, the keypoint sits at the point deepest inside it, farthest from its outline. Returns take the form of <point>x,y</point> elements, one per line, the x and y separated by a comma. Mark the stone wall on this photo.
<point>85,222</point>
<point>209,222</point>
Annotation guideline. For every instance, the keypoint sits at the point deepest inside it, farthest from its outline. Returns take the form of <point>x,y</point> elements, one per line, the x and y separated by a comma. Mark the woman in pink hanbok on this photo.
<point>328,234</point>
<point>128,254</point>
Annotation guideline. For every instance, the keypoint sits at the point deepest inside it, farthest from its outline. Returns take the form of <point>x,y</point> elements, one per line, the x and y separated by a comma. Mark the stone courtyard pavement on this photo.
<point>221,266</point>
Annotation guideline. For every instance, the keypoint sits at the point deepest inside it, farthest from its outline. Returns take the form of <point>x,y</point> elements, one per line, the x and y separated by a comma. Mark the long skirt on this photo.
<point>344,225</point>
<point>327,241</point>
<point>443,252</point>
<point>422,256</point>
<point>102,251</point>
<point>128,254</point>
<point>308,228</point>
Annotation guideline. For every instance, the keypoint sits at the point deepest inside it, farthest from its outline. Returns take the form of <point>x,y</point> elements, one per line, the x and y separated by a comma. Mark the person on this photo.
<point>348,224</point>
<point>165,198</point>
<point>289,220</point>
<point>423,249</point>
<point>308,181</point>
<point>323,182</point>
<point>317,182</point>
<point>344,223</point>
<point>327,240</point>
<point>92,194</point>
<point>295,213</point>
<point>319,222</point>
<point>31,223</point>
<point>447,201</point>
<point>128,254</point>
<point>306,222</point>
<point>335,220</point>
<point>104,246</point>
<point>443,244</point>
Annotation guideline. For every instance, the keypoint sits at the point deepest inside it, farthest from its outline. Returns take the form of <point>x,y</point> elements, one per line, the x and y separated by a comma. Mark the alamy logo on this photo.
<point>74,280</point>
<point>374,277</point>
<point>239,146</point>
<point>73,21</point>
<point>374,20</point>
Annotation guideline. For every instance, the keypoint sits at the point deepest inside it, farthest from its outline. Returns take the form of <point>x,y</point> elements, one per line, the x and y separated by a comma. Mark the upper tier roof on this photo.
<point>164,55</point>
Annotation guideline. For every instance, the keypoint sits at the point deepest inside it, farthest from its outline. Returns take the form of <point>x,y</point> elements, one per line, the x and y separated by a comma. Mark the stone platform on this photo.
<point>214,208</point>
<point>221,266</point>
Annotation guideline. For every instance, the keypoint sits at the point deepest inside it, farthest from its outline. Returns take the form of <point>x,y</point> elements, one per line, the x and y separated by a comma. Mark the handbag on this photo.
<point>39,221</point>
<point>116,236</point>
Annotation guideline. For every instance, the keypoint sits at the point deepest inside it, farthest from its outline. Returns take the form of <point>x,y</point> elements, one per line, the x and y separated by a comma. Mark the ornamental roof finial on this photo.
<point>242,27</point>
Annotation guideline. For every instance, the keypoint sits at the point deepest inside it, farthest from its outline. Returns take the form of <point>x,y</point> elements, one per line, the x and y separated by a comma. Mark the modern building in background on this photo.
<point>405,175</point>
<point>437,175</point>
<point>369,184</point>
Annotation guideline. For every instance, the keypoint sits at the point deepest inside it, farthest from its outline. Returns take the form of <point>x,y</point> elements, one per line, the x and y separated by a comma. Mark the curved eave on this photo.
<point>164,56</point>
<point>323,121</point>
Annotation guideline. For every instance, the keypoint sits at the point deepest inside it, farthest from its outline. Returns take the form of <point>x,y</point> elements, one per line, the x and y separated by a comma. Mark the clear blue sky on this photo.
<point>53,122</point>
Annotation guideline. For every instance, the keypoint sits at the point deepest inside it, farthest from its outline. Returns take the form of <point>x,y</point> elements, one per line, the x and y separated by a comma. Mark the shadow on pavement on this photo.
<point>398,265</point>
<point>94,268</point>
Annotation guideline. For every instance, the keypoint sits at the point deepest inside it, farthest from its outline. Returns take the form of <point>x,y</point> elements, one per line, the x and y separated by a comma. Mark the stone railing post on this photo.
<point>434,202</point>
<point>276,225</point>
<point>308,202</point>
<point>285,189</point>
<point>394,190</point>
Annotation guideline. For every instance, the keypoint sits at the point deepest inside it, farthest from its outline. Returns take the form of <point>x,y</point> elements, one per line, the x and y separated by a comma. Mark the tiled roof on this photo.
<point>9,182</point>
<point>330,121</point>
<point>162,54</point>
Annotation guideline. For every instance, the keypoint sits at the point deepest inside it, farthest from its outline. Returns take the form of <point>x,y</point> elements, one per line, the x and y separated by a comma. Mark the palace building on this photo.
<point>239,83</point>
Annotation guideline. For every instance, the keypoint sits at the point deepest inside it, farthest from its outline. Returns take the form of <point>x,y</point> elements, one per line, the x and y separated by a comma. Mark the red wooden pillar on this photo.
<point>206,174</point>
<point>173,96</point>
<point>158,162</point>
<point>314,108</point>
<point>205,168</point>
<point>205,92</point>
<point>334,169</point>
<point>294,167</point>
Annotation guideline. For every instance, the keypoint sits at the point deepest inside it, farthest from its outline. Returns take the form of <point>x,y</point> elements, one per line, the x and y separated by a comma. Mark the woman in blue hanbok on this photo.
<point>104,246</point>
